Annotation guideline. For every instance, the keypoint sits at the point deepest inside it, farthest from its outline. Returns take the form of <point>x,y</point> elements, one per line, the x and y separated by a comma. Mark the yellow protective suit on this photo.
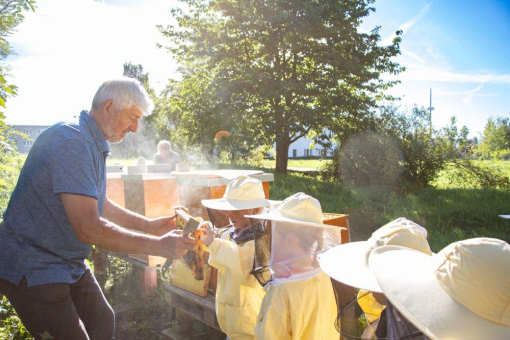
<point>238,293</point>
<point>299,310</point>
<point>369,305</point>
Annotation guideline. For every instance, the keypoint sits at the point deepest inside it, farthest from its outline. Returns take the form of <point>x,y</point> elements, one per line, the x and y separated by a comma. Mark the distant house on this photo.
<point>301,148</point>
<point>24,145</point>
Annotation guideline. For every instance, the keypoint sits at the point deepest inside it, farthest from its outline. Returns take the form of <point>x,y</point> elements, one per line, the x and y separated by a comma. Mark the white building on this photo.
<point>23,145</point>
<point>301,148</point>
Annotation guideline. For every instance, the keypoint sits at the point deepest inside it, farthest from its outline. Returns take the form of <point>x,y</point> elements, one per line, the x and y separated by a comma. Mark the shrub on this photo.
<point>400,152</point>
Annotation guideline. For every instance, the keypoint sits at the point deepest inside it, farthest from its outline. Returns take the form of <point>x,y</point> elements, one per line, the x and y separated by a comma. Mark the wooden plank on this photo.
<point>206,302</point>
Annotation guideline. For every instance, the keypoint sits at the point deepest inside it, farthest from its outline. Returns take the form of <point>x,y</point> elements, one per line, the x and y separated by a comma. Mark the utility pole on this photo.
<point>430,114</point>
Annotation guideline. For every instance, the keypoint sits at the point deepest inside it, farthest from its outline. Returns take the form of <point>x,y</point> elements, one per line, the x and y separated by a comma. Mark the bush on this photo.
<point>400,152</point>
<point>467,174</point>
<point>10,324</point>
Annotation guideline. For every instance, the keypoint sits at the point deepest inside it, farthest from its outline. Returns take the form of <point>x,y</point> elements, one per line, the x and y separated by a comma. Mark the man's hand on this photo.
<point>206,233</point>
<point>162,225</point>
<point>174,245</point>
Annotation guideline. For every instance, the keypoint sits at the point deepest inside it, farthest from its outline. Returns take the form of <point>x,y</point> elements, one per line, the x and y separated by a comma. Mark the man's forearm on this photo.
<point>114,238</point>
<point>125,218</point>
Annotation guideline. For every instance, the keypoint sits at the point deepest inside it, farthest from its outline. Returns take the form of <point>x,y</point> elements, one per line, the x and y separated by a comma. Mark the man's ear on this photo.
<point>108,108</point>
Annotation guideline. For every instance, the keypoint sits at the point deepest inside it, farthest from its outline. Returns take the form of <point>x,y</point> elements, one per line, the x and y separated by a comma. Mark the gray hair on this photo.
<point>164,142</point>
<point>125,93</point>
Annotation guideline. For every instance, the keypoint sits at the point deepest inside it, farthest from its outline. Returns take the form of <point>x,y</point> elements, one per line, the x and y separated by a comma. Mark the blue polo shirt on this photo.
<point>36,238</point>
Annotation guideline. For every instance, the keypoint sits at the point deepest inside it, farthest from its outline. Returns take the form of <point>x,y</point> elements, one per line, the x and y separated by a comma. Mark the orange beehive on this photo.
<point>338,220</point>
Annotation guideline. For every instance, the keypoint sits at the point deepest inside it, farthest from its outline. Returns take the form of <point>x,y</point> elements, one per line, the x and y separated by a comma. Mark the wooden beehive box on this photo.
<point>153,196</point>
<point>338,220</point>
<point>191,272</point>
<point>115,189</point>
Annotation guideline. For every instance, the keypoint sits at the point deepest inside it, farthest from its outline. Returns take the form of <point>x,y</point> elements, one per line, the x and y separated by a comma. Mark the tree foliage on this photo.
<point>11,15</point>
<point>277,69</point>
<point>496,136</point>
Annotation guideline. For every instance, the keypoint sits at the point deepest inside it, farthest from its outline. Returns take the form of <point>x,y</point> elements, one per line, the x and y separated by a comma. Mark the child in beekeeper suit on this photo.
<point>238,293</point>
<point>348,264</point>
<point>300,301</point>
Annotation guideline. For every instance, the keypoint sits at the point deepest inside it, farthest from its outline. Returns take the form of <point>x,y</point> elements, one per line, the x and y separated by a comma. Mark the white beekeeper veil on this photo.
<point>289,240</point>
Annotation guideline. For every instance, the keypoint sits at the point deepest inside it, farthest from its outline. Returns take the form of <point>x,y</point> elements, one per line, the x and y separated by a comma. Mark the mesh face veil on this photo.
<point>218,218</point>
<point>391,325</point>
<point>288,251</point>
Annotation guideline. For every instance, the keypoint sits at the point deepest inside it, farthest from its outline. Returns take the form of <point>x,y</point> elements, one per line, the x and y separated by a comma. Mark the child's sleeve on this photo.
<point>237,260</point>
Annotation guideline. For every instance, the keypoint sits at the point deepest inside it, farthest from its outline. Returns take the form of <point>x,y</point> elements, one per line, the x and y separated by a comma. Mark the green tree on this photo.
<point>286,68</point>
<point>11,15</point>
<point>496,136</point>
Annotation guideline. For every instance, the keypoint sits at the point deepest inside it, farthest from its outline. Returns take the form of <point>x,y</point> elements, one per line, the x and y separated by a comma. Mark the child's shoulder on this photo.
<point>224,232</point>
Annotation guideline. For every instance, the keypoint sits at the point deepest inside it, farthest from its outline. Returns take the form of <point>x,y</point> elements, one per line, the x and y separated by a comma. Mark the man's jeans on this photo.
<point>64,311</point>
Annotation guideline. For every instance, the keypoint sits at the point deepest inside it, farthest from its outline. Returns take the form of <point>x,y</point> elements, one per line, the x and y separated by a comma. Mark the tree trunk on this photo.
<point>282,153</point>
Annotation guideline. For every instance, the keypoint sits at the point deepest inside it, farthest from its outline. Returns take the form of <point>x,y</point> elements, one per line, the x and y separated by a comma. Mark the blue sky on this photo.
<point>458,48</point>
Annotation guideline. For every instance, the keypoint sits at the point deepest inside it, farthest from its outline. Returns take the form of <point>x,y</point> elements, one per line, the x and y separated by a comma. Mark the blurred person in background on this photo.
<point>165,155</point>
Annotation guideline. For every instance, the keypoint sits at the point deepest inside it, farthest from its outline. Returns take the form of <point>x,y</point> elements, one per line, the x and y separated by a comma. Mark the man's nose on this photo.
<point>134,126</point>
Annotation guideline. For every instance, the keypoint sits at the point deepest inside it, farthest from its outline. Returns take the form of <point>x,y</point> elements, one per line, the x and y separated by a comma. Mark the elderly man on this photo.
<point>59,209</point>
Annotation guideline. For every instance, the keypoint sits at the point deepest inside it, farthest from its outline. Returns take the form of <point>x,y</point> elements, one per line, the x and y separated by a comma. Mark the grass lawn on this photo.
<point>296,163</point>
